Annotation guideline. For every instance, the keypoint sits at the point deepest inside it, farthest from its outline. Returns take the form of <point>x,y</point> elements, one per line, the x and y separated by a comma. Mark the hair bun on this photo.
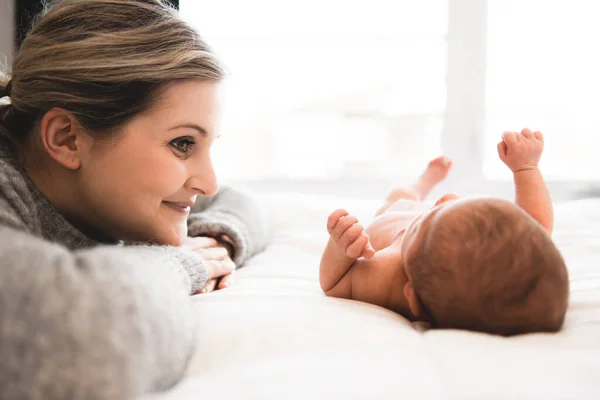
<point>5,92</point>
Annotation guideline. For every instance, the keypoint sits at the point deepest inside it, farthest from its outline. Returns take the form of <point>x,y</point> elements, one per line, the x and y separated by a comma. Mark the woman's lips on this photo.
<point>181,208</point>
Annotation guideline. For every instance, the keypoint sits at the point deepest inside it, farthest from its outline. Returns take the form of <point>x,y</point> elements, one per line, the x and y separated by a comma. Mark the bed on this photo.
<point>274,335</point>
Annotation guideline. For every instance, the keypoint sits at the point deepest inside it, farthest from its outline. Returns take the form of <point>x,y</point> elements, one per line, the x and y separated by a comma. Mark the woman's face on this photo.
<point>141,183</point>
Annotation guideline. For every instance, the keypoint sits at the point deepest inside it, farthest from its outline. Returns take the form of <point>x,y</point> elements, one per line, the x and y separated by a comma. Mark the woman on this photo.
<point>105,174</point>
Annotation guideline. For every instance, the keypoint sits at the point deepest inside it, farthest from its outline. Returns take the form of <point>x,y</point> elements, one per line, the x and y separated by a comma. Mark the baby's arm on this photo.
<point>521,152</point>
<point>347,242</point>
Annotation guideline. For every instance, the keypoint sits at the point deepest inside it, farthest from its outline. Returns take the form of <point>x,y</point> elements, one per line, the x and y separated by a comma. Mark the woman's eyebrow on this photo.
<point>198,128</point>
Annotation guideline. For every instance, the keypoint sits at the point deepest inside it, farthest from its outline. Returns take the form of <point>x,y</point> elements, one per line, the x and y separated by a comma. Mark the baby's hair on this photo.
<point>488,266</point>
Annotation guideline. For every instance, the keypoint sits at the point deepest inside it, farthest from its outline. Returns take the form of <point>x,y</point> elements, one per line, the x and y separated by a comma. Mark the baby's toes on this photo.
<point>439,162</point>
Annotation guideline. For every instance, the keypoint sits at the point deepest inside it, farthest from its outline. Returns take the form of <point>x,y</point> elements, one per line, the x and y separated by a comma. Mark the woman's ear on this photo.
<point>62,138</point>
<point>413,301</point>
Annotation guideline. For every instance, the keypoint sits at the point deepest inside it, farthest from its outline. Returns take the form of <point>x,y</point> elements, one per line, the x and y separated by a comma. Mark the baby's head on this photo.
<point>484,265</point>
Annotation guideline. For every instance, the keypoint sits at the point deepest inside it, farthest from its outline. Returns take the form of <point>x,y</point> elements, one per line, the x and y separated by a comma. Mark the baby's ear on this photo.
<point>413,300</point>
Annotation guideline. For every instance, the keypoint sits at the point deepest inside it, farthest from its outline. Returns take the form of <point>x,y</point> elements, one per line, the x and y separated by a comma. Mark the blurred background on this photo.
<point>348,98</point>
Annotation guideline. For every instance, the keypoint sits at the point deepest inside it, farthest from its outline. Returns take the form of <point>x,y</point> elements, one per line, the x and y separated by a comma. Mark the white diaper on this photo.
<point>404,205</point>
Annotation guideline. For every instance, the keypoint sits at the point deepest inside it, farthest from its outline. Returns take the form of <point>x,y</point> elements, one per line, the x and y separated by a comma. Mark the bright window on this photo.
<point>332,90</point>
<point>543,71</point>
<point>327,89</point>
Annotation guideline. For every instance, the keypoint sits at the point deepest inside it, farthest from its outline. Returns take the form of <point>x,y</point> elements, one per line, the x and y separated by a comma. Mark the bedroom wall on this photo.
<point>7,30</point>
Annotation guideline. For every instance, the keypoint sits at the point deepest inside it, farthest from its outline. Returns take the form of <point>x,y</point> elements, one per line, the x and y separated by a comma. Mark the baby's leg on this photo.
<point>436,171</point>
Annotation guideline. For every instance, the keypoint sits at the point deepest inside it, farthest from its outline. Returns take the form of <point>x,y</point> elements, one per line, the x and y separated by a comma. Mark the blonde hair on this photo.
<point>490,268</point>
<point>103,60</point>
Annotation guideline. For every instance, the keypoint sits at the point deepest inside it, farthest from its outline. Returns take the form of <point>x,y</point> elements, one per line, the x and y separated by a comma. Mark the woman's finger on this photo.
<point>200,242</point>
<point>214,253</point>
<point>209,286</point>
<point>218,268</point>
<point>226,281</point>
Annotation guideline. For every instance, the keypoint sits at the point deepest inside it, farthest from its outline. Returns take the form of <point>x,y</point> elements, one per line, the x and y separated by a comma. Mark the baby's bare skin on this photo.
<point>389,225</point>
<point>367,264</point>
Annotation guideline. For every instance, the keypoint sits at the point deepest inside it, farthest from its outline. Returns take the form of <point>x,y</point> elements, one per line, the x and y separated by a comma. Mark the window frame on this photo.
<point>462,138</point>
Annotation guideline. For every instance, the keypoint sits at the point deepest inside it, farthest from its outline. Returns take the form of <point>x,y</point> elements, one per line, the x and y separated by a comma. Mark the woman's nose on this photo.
<point>203,180</point>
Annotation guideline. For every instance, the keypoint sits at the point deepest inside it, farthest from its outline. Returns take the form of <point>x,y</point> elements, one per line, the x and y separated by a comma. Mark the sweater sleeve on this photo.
<point>236,214</point>
<point>108,322</point>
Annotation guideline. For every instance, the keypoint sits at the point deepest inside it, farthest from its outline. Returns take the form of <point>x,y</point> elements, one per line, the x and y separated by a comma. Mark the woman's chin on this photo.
<point>175,236</point>
<point>162,233</point>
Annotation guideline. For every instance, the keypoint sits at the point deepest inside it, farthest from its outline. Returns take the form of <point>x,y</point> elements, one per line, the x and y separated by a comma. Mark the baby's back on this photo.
<point>385,228</point>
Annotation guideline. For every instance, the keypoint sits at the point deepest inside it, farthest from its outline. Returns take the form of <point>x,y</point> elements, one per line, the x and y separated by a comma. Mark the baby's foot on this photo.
<point>436,171</point>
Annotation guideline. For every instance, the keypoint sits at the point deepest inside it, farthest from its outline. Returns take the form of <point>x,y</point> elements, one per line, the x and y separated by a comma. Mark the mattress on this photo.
<point>274,335</point>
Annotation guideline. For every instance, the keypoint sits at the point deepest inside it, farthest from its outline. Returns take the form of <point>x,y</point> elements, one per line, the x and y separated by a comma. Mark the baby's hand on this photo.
<point>521,151</point>
<point>349,235</point>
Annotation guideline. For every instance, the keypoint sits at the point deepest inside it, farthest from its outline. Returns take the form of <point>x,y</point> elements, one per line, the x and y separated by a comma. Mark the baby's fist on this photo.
<point>349,235</point>
<point>521,150</point>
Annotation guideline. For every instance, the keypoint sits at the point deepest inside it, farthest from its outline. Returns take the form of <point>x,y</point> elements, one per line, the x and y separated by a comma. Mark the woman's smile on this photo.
<point>180,207</point>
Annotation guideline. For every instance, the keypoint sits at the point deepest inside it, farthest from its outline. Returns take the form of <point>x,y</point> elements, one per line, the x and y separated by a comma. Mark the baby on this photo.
<point>480,264</point>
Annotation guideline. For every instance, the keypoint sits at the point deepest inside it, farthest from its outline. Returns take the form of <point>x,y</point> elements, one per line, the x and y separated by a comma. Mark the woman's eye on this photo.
<point>182,145</point>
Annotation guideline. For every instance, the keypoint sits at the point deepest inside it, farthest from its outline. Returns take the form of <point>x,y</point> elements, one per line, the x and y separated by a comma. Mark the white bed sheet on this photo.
<point>274,335</point>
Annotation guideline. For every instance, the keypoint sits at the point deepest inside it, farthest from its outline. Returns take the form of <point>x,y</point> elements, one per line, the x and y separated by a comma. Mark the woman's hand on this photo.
<point>219,265</point>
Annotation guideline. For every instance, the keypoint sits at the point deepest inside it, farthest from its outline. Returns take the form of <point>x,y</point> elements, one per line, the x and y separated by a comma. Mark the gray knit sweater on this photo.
<point>86,320</point>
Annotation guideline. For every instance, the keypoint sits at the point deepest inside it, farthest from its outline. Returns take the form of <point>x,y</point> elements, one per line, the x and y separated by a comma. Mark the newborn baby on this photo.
<point>480,264</point>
